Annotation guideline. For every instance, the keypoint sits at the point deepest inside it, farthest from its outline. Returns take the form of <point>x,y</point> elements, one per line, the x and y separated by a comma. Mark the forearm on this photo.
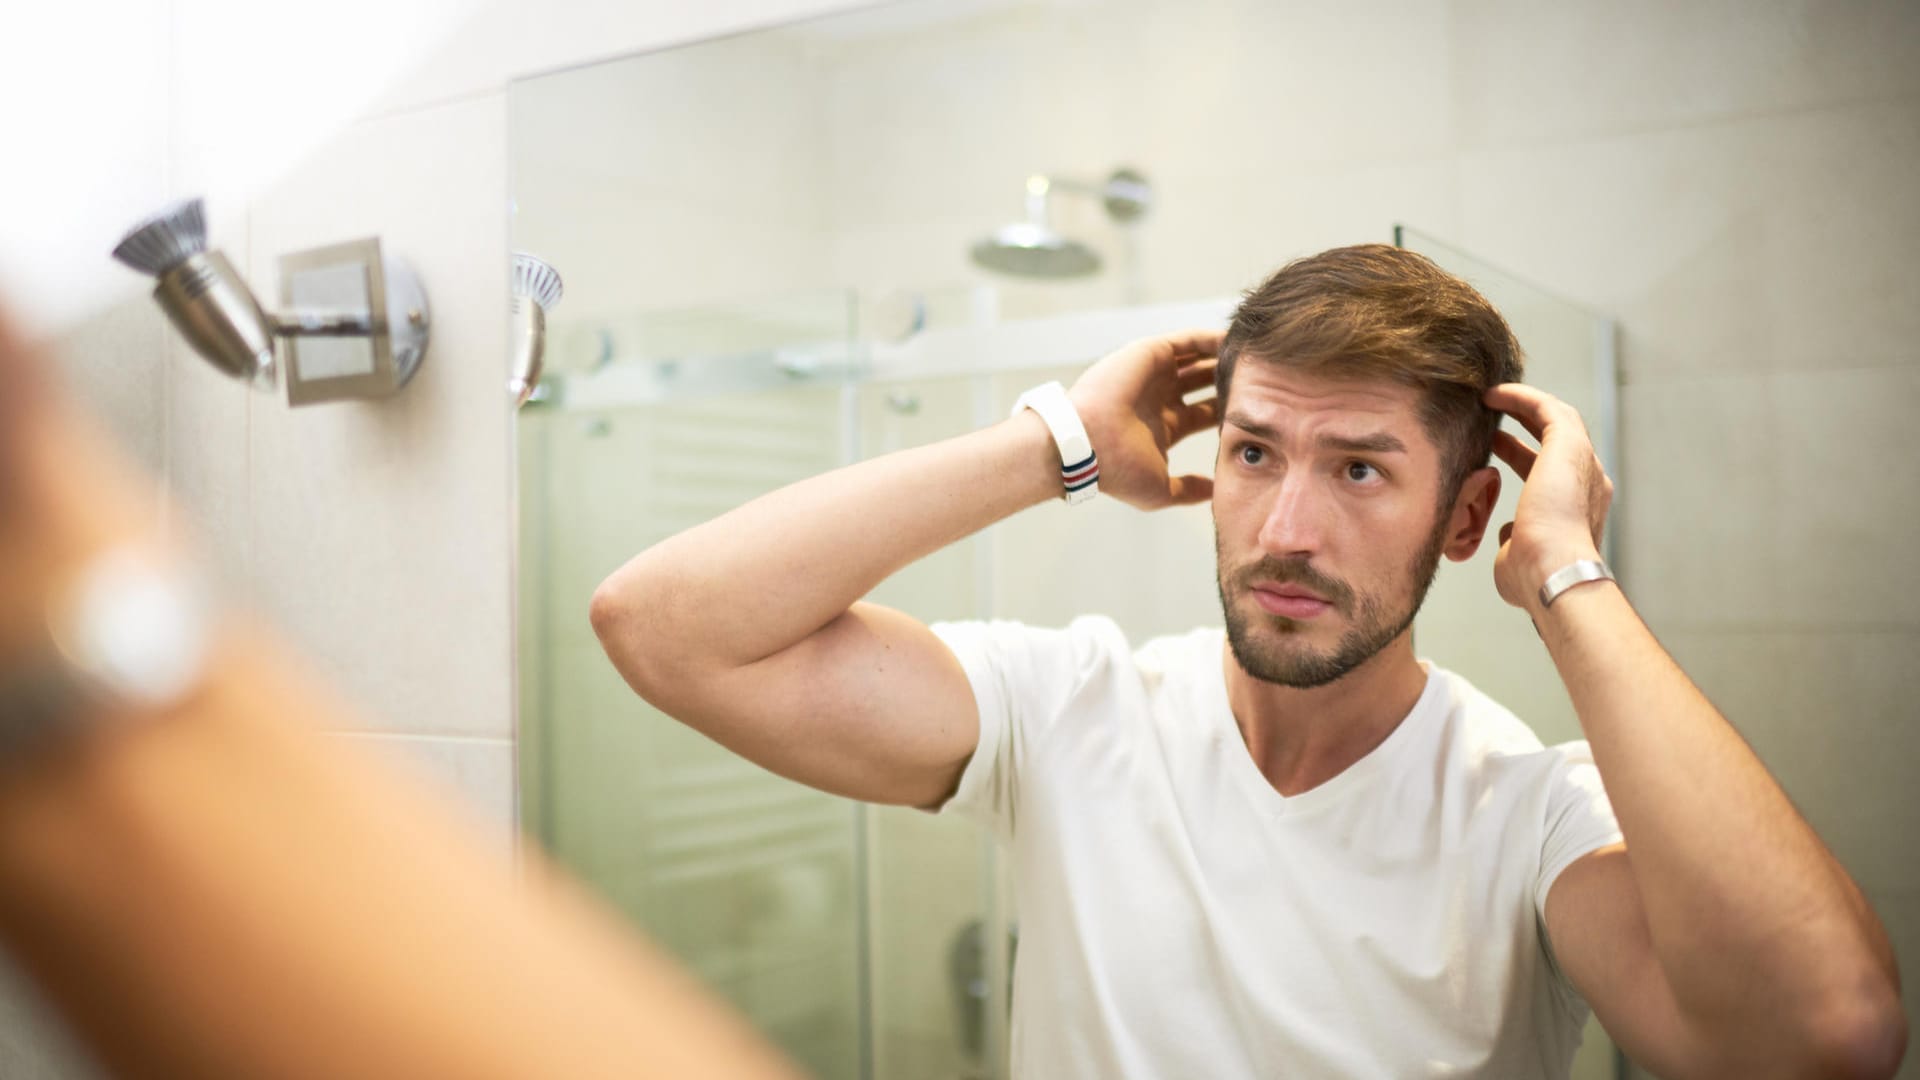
<point>217,890</point>
<point>1754,923</point>
<point>758,579</point>
<point>221,892</point>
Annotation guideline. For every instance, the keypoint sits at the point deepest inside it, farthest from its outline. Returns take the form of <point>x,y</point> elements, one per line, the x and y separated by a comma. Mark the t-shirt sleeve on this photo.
<point>1023,679</point>
<point>1579,819</point>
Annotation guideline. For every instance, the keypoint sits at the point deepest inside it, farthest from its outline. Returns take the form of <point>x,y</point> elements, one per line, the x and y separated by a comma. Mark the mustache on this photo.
<point>1294,572</point>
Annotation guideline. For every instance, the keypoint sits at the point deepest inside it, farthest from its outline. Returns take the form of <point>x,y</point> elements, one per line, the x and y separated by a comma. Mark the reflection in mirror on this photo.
<point>774,255</point>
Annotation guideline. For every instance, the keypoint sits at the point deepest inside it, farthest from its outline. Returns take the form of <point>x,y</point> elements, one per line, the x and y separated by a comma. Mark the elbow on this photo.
<point>630,616</point>
<point>613,613</point>
<point>1861,1039</point>
<point>607,612</point>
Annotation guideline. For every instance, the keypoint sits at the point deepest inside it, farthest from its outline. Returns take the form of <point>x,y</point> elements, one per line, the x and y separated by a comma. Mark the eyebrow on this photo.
<point>1378,442</point>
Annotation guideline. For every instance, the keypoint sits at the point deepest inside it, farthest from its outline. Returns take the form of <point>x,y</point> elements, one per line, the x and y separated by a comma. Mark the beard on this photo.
<point>1284,657</point>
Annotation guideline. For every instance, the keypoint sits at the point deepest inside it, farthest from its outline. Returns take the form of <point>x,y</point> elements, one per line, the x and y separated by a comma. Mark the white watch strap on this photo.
<point>1079,469</point>
<point>1576,573</point>
<point>133,630</point>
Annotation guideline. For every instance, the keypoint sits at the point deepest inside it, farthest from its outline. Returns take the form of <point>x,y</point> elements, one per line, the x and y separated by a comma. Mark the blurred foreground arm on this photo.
<point>1723,939</point>
<point>219,891</point>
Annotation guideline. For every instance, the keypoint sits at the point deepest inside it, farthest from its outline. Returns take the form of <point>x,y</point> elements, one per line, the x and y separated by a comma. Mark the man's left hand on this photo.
<point>1564,500</point>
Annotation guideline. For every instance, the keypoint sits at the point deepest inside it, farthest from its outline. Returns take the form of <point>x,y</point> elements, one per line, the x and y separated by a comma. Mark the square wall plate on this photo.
<point>346,278</point>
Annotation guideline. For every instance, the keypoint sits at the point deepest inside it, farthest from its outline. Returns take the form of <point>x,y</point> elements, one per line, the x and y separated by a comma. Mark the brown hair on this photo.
<point>1373,311</point>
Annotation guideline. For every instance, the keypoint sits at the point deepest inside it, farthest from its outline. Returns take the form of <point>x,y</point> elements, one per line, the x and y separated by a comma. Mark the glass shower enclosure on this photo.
<point>873,942</point>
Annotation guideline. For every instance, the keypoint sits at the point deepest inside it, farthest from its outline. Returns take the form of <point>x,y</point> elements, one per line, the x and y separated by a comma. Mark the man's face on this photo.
<point>1326,520</point>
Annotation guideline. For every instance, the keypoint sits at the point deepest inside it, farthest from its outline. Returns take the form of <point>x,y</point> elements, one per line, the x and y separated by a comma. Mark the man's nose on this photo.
<point>1295,525</point>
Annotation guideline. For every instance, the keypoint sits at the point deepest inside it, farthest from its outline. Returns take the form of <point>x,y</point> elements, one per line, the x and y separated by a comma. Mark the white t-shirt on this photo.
<point>1179,918</point>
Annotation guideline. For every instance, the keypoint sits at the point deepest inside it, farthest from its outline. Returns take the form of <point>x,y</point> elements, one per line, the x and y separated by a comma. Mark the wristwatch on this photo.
<point>1079,468</point>
<point>132,630</point>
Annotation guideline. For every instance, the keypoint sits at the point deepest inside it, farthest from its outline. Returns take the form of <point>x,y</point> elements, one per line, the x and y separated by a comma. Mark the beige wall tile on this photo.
<point>486,43</point>
<point>1697,501</point>
<point>1771,244</point>
<point>379,532</point>
<point>207,463</point>
<point>1596,67</point>
<point>1847,508</point>
<point>114,364</point>
<point>1830,713</point>
<point>1772,501</point>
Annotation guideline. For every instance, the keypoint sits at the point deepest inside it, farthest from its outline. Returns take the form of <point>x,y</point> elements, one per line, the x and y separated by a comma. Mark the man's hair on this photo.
<point>1373,311</point>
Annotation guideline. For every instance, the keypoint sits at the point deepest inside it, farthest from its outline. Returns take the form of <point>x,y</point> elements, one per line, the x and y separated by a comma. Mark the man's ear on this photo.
<point>1472,510</point>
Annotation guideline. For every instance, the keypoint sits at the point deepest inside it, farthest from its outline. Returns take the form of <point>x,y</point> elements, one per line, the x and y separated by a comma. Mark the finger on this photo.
<point>1199,416</point>
<point>1508,448</point>
<point>1532,407</point>
<point>1191,344</point>
<point>1197,375</point>
<point>1506,532</point>
<point>1190,489</point>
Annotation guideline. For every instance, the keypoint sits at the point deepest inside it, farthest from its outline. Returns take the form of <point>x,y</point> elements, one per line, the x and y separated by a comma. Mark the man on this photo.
<point>1290,848</point>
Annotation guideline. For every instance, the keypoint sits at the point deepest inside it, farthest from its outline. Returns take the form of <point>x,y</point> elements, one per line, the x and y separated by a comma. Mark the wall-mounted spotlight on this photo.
<point>536,290</point>
<point>356,321</point>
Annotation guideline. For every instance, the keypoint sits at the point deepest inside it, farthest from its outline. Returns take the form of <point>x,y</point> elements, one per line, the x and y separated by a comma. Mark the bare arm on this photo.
<point>749,627</point>
<point>216,890</point>
<point>1724,939</point>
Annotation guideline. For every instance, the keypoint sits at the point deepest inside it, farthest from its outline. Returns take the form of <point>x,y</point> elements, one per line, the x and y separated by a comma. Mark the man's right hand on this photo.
<point>1133,405</point>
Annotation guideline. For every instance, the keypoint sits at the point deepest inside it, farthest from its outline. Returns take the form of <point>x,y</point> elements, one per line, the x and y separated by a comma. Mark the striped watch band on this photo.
<point>1079,466</point>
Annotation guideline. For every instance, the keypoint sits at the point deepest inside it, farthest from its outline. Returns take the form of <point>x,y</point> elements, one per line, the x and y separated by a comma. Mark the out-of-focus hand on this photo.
<point>20,382</point>
<point>1564,500</point>
<point>1132,403</point>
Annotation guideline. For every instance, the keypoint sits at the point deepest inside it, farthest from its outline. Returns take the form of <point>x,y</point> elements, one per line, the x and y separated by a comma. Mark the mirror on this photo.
<point>768,245</point>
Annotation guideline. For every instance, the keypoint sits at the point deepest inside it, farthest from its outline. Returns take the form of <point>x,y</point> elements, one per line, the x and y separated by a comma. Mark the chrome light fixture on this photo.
<point>536,290</point>
<point>356,322</point>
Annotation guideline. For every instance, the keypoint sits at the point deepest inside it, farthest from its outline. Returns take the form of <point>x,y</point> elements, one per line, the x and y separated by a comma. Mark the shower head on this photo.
<point>201,292</point>
<point>1028,249</point>
<point>536,290</point>
<point>1033,248</point>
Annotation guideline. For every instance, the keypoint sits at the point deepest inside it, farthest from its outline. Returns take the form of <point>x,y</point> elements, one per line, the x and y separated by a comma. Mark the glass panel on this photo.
<point>928,876</point>
<point>749,878</point>
<point>1465,626</point>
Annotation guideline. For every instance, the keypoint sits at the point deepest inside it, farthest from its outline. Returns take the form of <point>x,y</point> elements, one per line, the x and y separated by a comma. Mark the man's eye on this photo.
<point>1360,472</point>
<point>1251,455</point>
